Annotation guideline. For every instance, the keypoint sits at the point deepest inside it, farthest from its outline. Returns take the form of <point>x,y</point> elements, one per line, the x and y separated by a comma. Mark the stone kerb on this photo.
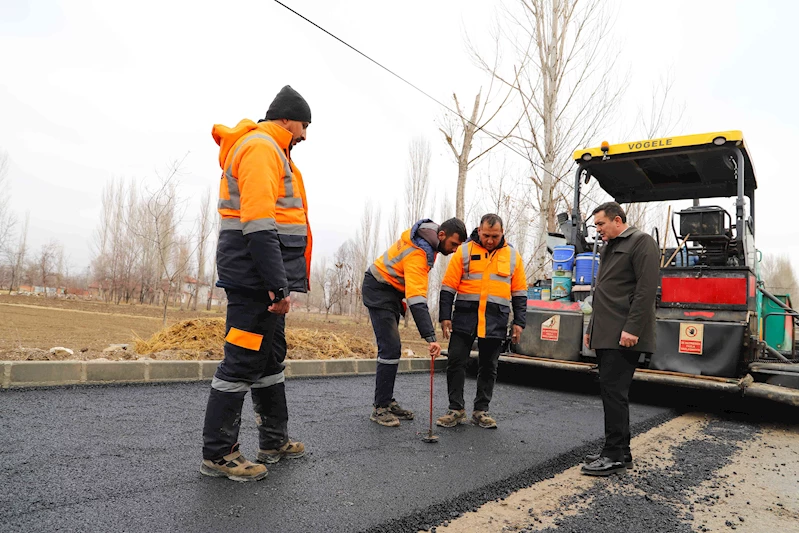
<point>14,374</point>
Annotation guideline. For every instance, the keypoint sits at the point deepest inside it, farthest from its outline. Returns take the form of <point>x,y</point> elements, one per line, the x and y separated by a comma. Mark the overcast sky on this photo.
<point>91,91</point>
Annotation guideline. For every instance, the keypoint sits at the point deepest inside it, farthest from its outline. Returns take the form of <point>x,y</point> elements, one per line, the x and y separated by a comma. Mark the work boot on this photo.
<point>233,466</point>
<point>591,457</point>
<point>399,412</point>
<point>384,417</point>
<point>452,418</point>
<point>482,419</point>
<point>291,450</point>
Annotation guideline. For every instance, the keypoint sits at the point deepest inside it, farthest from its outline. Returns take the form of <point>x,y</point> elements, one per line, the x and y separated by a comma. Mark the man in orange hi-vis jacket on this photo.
<point>401,272</point>
<point>485,279</point>
<point>264,253</point>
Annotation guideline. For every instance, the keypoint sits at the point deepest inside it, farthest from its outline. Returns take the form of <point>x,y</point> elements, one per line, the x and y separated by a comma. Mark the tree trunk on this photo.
<point>460,195</point>
<point>166,305</point>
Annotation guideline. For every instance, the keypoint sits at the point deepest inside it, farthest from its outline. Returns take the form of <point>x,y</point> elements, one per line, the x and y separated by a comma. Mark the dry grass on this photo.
<point>30,326</point>
<point>204,337</point>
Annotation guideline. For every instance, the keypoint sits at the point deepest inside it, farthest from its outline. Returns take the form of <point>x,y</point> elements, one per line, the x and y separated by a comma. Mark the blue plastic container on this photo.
<point>563,258</point>
<point>682,259</point>
<point>562,285</point>
<point>533,293</point>
<point>583,274</point>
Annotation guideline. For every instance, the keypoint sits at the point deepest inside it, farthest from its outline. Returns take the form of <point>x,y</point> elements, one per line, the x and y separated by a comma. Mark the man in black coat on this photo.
<point>622,327</point>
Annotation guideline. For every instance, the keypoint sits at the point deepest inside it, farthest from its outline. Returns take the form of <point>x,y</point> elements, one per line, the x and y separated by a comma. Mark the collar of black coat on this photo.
<point>475,237</point>
<point>626,233</point>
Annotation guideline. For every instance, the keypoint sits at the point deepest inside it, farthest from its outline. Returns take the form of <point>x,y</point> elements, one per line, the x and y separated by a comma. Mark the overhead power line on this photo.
<point>497,138</point>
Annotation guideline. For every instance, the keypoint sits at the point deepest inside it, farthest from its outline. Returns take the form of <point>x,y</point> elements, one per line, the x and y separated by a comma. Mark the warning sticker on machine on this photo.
<point>550,328</point>
<point>692,338</point>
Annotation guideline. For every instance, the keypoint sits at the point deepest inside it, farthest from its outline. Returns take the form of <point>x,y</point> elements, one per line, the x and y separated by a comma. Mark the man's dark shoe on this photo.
<point>603,467</point>
<point>591,457</point>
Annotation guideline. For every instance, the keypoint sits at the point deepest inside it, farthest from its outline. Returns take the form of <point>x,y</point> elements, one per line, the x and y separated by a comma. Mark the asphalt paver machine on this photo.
<point>718,328</point>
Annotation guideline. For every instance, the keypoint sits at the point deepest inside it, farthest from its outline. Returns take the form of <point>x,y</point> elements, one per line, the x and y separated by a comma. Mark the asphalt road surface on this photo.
<point>126,458</point>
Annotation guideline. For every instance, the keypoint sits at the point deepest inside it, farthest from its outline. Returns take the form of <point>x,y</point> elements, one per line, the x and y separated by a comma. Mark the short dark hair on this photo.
<point>492,219</point>
<point>453,225</point>
<point>612,210</point>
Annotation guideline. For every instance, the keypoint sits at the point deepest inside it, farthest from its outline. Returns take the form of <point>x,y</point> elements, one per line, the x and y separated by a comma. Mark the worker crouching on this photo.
<point>485,280</point>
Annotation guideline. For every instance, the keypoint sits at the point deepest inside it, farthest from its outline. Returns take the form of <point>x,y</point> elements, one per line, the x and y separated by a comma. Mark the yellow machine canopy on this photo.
<point>670,168</point>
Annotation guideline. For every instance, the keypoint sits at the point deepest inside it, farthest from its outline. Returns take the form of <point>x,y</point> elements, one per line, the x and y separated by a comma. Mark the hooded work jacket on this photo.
<point>484,286</point>
<point>402,271</point>
<point>625,292</point>
<point>265,240</point>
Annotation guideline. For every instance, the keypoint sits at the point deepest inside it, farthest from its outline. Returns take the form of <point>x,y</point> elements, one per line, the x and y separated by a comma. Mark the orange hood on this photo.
<point>227,137</point>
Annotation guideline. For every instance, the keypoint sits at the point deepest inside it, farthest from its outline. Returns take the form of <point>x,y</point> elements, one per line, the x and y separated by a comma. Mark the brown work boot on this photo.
<point>399,412</point>
<point>384,417</point>
<point>291,450</point>
<point>233,466</point>
<point>452,418</point>
<point>482,419</point>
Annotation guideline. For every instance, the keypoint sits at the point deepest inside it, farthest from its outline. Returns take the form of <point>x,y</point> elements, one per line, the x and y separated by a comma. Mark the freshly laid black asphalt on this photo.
<point>126,458</point>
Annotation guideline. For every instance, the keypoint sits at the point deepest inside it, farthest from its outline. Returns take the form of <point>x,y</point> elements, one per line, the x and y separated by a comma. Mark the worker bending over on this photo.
<point>401,272</point>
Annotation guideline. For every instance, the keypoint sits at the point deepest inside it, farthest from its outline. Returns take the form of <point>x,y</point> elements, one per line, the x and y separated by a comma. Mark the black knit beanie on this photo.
<point>290,105</point>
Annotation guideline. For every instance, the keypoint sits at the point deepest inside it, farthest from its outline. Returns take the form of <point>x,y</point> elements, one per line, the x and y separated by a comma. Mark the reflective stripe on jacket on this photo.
<point>265,240</point>
<point>484,286</point>
<point>405,267</point>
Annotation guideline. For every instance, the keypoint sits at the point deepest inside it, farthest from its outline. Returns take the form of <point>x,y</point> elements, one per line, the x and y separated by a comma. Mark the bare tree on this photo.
<point>212,278</point>
<point>7,218</point>
<point>663,115</point>
<point>417,184</point>
<point>16,257</point>
<point>436,276</point>
<point>660,117</point>
<point>779,276</point>
<point>507,196</point>
<point>319,277</point>
<point>393,227</point>
<point>116,248</point>
<point>364,249</point>
<point>459,132</point>
<point>204,225</point>
<point>45,264</point>
<point>162,212</point>
<point>563,74</point>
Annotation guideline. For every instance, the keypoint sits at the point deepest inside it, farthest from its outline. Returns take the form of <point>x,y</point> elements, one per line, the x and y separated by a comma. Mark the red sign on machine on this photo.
<point>692,338</point>
<point>550,328</point>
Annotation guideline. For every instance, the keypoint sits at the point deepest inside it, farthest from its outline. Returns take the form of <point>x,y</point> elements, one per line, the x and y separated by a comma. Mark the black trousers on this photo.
<point>389,348</point>
<point>255,348</point>
<point>616,369</point>
<point>460,345</point>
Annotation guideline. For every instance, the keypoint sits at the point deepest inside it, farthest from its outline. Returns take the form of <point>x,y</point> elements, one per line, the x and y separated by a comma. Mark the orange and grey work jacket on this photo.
<point>484,285</point>
<point>402,271</point>
<point>265,240</point>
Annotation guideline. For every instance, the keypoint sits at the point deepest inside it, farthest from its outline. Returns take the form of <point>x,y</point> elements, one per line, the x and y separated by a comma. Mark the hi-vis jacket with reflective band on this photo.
<point>404,266</point>
<point>485,285</point>
<point>265,240</point>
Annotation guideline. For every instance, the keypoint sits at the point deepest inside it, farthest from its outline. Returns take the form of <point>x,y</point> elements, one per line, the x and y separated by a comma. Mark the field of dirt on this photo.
<point>30,325</point>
